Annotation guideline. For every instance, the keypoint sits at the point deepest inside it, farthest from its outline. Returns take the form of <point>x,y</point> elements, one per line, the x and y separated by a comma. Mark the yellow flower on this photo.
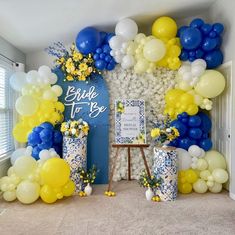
<point>82,78</point>
<point>85,129</point>
<point>155,132</point>
<point>83,67</point>
<point>63,127</point>
<point>60,60</point>
<point>176,132</point>
<point>73,124</point>
<point>69,78</point>
<point>77,56</point>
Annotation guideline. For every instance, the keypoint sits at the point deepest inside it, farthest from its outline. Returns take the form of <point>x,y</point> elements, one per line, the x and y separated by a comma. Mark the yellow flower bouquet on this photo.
<point>163,133</point>
<point>75,66</point>
<point>74,128</point>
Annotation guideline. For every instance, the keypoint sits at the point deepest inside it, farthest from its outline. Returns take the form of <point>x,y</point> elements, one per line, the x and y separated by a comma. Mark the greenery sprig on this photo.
<point>89,176</point>
<point>147,181</point>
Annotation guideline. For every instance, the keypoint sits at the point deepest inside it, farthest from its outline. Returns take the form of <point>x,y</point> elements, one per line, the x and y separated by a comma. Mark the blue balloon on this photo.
<point>46,145</point>
<point>191,58</point>
<point>109,36</point>
<point>180,126</point>
<point>196,23</point>
<point>183,55</point>
<point>214,59</point>
<point>37,129</point>
<point>195,133</point>
<point>212,34</point>
<point>174,143</point>
<point>47,125</point>
<point>98,50</point>
<point>100,64</point>
<point>46,135</point>
<point>194,121</point>
<point>199,53</point>
<point>108,58</point>
<point>111,65</point>
<point>191,38</point>
<point>87,40</point>
<point>185,143</point>
<point>35,152</point>
<point>218,28</point>
<point>58,137</point>
<point>206,28</point>
<point>209,44</point>
<point>102,56</point>
<point>102,37</point>
<point>106,48</point>
<point>218,42</point>
<point>34,138</point>
<point>96,56</point>
<point>192,53</point>
<point>205,144</point>
<point>181,30</point>
<point>206,122</point>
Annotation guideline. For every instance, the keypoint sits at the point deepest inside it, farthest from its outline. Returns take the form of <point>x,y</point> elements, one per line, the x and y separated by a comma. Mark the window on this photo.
<point>6,110</point>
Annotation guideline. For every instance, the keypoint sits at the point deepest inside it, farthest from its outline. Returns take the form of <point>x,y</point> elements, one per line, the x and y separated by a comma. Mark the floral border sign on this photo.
<point>130,125</point>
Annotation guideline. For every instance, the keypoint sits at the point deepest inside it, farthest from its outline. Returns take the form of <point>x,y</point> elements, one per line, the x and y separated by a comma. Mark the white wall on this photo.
<point>223,11</point>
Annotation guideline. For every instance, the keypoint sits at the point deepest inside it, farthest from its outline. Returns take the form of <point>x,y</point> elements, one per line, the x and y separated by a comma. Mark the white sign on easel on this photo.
<point>130,122</point>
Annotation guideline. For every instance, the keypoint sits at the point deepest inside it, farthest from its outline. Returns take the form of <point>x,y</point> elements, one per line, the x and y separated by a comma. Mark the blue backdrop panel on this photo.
<point>90,101</point>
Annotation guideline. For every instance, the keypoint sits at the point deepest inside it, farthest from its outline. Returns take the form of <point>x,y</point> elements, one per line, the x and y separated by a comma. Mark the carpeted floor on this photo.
<point>127,213</point>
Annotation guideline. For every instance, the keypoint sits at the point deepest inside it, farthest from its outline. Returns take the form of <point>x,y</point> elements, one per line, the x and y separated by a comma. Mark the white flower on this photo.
<point>73,131</point>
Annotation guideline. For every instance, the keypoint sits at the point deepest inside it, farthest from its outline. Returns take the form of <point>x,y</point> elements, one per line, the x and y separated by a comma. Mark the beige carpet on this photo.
<point>127,213</point>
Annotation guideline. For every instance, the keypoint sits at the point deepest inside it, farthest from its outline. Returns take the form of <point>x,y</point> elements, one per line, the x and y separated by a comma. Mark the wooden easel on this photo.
<point>128,146</point>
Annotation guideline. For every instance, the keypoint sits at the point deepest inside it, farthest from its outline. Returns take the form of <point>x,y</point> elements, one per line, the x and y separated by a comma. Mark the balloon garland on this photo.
<point>199,43</point>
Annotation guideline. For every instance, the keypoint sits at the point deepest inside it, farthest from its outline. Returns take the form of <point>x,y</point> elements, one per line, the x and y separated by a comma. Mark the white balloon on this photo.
<point>53,78</point>
<point>116,42</point>
<point>197,70</point>
<point>126,28</point>
<point>187,76</point>
<point>127,61</point>
<point>184,68</point>
<point>17,154</point>
<point>195,151</point>
<point>18,81</point>
<point>202,153</point>
<point>44,71</point>
<point>200,62</point>
<point>57,89</point>
<point>216,188</point>
<point>32,77</point>
<point>185,159</point>
<point>220,175</point>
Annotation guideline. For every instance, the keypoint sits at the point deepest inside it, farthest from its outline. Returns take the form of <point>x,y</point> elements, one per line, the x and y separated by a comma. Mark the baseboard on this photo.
<point>232,195</point>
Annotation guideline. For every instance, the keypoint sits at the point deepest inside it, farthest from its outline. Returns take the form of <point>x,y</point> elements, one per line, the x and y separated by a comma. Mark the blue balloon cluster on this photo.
<point>194,130</point>
<point>201,40</point>
<point>45,136</point>
<point>103,59</point>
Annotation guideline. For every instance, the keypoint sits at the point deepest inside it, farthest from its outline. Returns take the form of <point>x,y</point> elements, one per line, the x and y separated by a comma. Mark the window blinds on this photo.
<point>6,109</point>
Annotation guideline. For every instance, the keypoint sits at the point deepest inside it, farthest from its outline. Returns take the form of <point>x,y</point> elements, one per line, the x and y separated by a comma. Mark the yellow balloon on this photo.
<point>55,118</point>
<point>185,188</point>
<point>204,174</point>
<point>200,186</point>
<point>191,176</point>
<point>186,99</point>
<point>141,66</point>
<point>211,84</point>
<point>68,189</point>
<point>47,194</point>
<point>154,50</point>
<point>26,105</point>
<point>55,172</point>
<point>202,164</point>
<point>25,166</point>
<point>47,106</point>
<point>220,175</point>
<point>59,107</point>
<point>192,109</point>
<point>9,196</point>
<point>164,28</point>
<point>21,132</point>
<point>172,95</point>
<point>27,192</point>
<point>215,160</point>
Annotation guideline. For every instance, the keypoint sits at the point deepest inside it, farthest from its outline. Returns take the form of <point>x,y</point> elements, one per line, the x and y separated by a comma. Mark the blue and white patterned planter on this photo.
<point>165,165</point>
<point>75,154</point>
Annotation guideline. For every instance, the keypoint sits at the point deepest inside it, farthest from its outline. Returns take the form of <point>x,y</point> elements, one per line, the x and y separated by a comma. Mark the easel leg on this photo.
<point>129,163</point>
<point>113,169</point>
<point>145,162</point>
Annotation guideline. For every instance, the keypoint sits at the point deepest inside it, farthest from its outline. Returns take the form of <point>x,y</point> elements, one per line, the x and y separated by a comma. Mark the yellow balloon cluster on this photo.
<point>210,173</point>
<point>27,180</point>
<point>179,101</point>
<point>186,178</point>
<point>165,28</point>
<point>38,103</point>
<point>48,111</point>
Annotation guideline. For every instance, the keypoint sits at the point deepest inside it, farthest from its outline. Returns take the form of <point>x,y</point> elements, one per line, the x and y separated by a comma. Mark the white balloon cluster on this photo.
<point>20,152</point>
<point>47,154</point>
<point>188,77</point>
<point>125,31</point>
<point>190,72</point>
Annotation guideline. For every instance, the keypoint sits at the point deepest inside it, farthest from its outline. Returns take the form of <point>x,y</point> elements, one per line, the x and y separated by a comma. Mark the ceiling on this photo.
<point>32,25</point>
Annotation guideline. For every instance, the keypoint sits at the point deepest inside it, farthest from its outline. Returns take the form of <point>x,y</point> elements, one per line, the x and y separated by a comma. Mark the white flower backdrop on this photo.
<point>125,84</point>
